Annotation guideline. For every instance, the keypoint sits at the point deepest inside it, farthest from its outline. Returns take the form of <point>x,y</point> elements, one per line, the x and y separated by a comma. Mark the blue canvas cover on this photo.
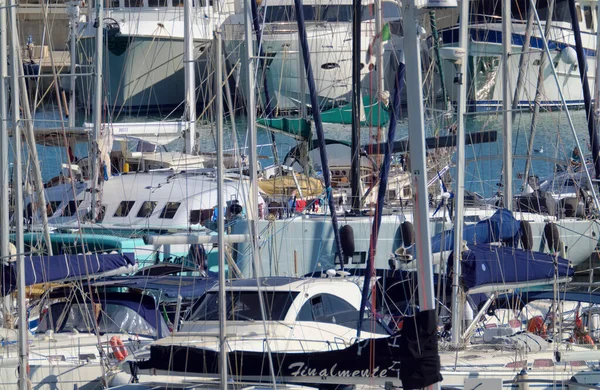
<point>44,269</point>
<point>496,265</point>
<point>501,226</point>
<point>169,286</point>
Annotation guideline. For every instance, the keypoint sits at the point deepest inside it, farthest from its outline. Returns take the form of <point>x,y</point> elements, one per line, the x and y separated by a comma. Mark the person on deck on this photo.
<point>576,159</point>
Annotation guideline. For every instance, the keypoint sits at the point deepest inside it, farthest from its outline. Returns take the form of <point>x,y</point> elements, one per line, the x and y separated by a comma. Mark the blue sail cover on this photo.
<point>44,269</point>
<point>169,286</point>
<point>498,265</point>
<point>501,226</point>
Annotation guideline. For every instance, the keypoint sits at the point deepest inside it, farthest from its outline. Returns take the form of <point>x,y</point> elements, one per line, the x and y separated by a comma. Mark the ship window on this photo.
<point>115,4</point>
<point>390,10</point>
<point>134,3</point>
<point>52,207</point>
<point>157,3</point>
<point>579,13</point>
<point>71,208</point>
<point>147,209</point>
<point>195,217</point>
<point>244,306</point>
<point>124,208</point>
<point>327,13</point>
<point>589,19</point>
<point>169,210</point>
<point>328,308</point>
<point>178,3</point>
<point>101,214</point>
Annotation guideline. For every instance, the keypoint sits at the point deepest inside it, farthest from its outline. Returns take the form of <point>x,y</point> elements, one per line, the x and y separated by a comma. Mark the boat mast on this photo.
<point>381,192</point>
<point>310,78</point>
<point>73,9</point>
<point>220,207</point>
<point>97,109</point>
<point>587,96</point>
<point>190,76</point>
<point>4,164</point>
<point>597,92</point>
<point>507,102</point>
<point>460,175</point>
<point>18,193</point>
<point>538,91</point>
<point>356,104</point>
<point>252,209</point>
<point>418,164</point>
<point>523,60</point>
<point>261,64</point>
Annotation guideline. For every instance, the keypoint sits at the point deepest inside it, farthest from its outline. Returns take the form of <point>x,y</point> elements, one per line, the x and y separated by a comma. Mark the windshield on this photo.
<point>111,318</point>
<point>244,306</point>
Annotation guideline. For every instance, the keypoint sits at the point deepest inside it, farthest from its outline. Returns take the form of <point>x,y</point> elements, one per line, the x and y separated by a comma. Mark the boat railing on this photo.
<point>338,343</point>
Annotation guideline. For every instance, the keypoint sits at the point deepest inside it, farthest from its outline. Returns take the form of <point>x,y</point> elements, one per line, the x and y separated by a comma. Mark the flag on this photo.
<point>385,33</point>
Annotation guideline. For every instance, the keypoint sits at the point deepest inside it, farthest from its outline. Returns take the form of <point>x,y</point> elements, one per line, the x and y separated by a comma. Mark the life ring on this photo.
<point>118,348</point>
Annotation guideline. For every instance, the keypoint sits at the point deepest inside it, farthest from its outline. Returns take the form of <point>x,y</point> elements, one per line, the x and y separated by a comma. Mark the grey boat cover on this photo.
<point>523,341</point>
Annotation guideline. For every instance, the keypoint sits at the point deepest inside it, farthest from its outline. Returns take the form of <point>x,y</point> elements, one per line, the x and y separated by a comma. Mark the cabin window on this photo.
<point>113,318</point>
<point>195,217</point>
<point>71,208</point>
<point>579,13</point>
<point>134,3</point>
<point>328,308</point>
<point>124,208</point>
<point>115,4</point>
<point>52,207</point>
<point>177,3</point>
<point>157,3</point>
<point>169,211</point>
<point>101,214</point>
<point>390,10</point>
<point>244,306</point>
<point>147,209</point>
<point>589,18</point>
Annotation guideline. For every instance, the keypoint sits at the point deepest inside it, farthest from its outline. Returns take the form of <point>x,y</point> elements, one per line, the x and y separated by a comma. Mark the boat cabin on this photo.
<point>294,308</point>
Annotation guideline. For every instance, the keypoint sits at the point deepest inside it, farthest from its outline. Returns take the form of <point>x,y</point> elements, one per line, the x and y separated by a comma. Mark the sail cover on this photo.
<point>44,269</point>
<point>501,226</point>
<point>499,266</point>
<point>409,359</point>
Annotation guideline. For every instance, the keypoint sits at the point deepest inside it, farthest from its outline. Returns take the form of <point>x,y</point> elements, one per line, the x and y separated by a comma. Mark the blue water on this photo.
<point>484,161</point>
